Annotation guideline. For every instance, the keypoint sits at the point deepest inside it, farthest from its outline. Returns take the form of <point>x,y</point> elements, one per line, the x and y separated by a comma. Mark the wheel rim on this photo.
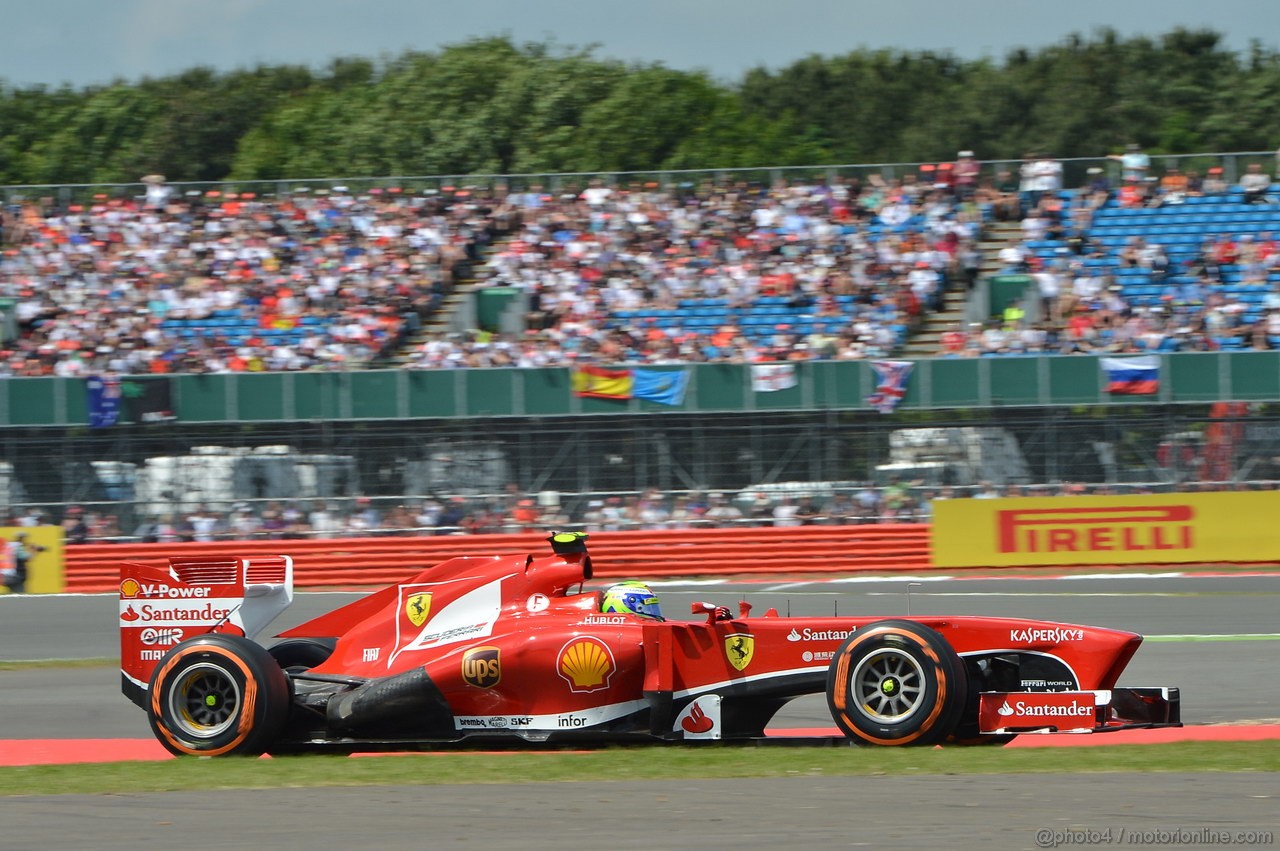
<point>205,700</point>
<point>888,686</point>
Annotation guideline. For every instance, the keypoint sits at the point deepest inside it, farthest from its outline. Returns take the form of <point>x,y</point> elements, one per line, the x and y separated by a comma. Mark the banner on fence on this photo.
<point>771,377</point>
<point>1103,530</point>
<point>31,559</point>
<point>104,400</point>
<point>891,386</point>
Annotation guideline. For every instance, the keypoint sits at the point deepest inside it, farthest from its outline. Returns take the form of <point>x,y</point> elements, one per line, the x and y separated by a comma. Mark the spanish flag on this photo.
<point>601,383</point>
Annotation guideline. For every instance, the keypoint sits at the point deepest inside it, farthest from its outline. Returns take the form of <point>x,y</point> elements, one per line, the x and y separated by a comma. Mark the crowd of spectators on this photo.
<point>229,282</point>
<point>651,509</point>
<point>873,255</point>
<point>1083,305</point>
<point>330,279</point>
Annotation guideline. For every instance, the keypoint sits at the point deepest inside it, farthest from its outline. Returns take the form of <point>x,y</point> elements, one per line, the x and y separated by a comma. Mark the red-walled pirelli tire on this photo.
<point>218,694</point>
<point>895,682</point>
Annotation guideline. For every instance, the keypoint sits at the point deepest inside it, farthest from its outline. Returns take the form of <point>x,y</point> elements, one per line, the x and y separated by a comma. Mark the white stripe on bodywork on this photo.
<point>469,617</point>
<point>590,717</point>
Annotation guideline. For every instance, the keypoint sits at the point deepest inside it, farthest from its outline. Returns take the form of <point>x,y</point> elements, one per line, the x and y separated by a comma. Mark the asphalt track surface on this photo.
<point>981,812</point>
<point>1228,680</point>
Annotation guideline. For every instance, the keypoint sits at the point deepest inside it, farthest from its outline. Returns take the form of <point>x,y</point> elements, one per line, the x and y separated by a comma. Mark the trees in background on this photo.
<point>492,106</point>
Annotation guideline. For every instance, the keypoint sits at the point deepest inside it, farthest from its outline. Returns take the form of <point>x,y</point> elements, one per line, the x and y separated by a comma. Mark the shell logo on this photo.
<point>130,588</point>
<point>586,664</point>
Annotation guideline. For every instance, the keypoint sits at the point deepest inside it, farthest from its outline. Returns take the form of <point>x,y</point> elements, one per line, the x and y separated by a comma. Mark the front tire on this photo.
<point>896,682</point>
<point>218,694</point>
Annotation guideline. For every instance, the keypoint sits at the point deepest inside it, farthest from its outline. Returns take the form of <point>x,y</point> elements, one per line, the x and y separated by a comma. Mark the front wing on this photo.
<point>1098,711</point>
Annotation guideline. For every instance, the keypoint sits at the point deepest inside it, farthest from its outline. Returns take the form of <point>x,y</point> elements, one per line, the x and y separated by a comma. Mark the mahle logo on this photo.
<point>482,667</point>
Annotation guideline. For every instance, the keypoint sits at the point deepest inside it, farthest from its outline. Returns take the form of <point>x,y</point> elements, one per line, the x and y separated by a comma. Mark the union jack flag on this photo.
<point>892,375</point>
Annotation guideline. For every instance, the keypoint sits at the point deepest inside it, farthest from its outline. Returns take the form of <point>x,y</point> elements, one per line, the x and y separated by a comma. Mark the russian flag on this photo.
<point>1132,376</point>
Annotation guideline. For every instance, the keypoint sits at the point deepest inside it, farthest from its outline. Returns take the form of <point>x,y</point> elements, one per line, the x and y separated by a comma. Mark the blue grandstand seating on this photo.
<point>1180,230</point>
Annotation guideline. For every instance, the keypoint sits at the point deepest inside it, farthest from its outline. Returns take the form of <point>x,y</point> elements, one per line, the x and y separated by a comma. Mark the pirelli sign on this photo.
<point>1152,529</point>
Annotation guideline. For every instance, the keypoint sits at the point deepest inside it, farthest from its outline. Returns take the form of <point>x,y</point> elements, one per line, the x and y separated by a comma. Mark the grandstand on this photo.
<point>1184,231</point>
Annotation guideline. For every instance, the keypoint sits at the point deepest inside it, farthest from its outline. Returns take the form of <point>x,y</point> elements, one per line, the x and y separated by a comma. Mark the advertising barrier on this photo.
<point>1144,529</point>
<point>41,547</point>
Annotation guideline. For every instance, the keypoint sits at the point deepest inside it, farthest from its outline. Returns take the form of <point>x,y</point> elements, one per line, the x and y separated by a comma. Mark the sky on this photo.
<point>84,42</point>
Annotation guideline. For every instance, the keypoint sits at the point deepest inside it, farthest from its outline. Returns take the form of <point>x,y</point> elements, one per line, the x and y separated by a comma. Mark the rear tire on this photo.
<point>896,682</point>
<point>296,655</point>
<point>218,694</point>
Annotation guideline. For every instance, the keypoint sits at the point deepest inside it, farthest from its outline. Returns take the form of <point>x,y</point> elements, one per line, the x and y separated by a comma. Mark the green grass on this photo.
<point>34,664</point>
<point>634,763</point>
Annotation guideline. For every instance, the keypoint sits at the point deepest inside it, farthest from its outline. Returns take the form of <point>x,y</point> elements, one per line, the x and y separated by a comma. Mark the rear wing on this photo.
<point>162,606</point>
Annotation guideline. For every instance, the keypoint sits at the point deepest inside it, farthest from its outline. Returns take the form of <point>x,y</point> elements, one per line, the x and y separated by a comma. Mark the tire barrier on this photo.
<point>92,568</point>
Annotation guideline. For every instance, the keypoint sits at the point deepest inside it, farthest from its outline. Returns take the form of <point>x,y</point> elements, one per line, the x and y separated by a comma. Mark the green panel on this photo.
<point>546,391</point>
<point>77,401</point>
<point>316,395</point>
<point>489,392</point>
<point>1001,288</point>
<point>594,405</point>
<point>261,397</point>
<point>1255,376</point>
<point>853,384</point>
<point>1075,380</point>
<point>375,395</point>
<point>433,392</point>
<point>1186,378</point>
<point>953,383</point>
<point>825,377</point>
<point>1014,381</point>
<point>490,303</point>
<point>721,387</point>
<point>1193,376</point>
<point>789,398</point>
<point>32,401</point>
<point>203,398</point>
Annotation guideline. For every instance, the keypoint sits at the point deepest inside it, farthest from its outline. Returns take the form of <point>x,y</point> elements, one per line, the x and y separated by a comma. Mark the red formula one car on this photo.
<point>500,649</point>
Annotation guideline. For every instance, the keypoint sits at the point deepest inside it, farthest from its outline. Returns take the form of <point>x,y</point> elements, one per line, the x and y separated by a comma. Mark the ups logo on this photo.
<point>482,667</point>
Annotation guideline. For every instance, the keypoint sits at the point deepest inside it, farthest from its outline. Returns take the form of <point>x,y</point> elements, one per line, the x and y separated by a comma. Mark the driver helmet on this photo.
<point>632,598</point>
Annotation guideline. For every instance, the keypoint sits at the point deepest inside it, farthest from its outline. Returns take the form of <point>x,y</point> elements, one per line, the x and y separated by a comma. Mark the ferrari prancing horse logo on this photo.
<point>418,608</point>
<point>739,647</point>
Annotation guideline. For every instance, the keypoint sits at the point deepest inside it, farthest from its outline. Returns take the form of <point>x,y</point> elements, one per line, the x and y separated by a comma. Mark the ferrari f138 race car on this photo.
<point>511,649</point>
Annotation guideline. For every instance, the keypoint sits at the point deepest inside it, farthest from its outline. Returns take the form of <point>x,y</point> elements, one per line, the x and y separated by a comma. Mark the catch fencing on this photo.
<point>1075,173</point>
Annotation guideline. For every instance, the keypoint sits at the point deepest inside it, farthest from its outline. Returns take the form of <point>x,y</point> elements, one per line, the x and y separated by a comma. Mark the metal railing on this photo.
<point>1075,173</point>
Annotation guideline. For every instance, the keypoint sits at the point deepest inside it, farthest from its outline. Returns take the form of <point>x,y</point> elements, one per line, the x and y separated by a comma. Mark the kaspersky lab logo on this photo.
<point>1086,530</point>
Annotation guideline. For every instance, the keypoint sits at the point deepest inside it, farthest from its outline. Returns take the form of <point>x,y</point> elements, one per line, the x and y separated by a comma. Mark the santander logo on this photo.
<point>1032,710</point>
<point>793,635</point>
<point>697,721</point>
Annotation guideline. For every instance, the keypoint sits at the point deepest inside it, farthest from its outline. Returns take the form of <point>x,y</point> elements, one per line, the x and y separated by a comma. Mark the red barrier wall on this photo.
<point>688,552</point>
